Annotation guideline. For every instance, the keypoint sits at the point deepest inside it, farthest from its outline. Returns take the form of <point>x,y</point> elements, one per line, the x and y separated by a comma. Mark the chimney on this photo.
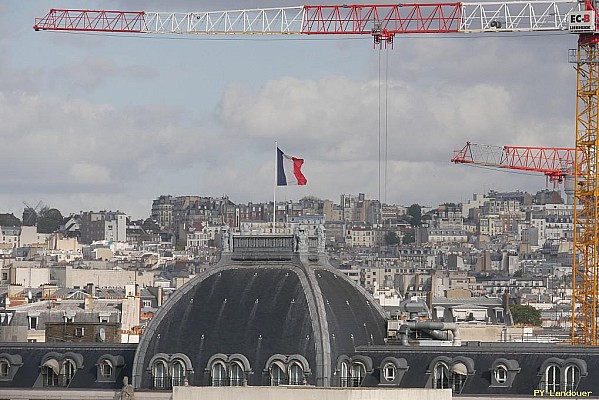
<point>88,302</point>
<point>429,302</point>
<point>159,296</point>
<point>506,301</point>
<point>89,289</point>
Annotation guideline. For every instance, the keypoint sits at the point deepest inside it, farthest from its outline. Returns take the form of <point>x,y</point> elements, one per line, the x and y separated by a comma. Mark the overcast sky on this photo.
<point>107,122</point>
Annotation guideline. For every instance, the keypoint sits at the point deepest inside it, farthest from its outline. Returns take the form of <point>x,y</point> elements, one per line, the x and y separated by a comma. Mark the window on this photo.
<point>218,374</point>
<point>79,332</point>
<point>33,323</point>
<point>500,374</point>
<point>296,374</point>
<point>51,377</point>
<point>278,376</point>
<point>441,376</point>
<point>4,368</point>
<point>50,372</point>
<point>344,374</point>
<point>105,369</point>
<point>552,378</point>
<point>459,373</point>
<point>235,374</point>
<point>571,377</point>
<point>159,375</point>
<point>68,370</point>
<point>389,372</point>
<point>357,374</point>
<point>178,373</point>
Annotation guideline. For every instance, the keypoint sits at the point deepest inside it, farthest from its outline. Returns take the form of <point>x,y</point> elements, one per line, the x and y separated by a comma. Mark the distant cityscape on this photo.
<point>102,266</point>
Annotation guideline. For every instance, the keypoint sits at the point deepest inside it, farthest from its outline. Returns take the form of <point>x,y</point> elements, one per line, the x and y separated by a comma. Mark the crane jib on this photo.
<point>415,18</point>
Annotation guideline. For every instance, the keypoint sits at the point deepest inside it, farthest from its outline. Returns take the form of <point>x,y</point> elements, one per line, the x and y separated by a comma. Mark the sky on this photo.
<point>111,122</point>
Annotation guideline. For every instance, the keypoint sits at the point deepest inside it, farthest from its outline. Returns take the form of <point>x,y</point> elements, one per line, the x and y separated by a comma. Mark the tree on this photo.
<point>415,213</point>
<point>526,315</point>
<point>9,220</point>
<point>391,238</point>
<point>409,236</point>
<point>48,220</point>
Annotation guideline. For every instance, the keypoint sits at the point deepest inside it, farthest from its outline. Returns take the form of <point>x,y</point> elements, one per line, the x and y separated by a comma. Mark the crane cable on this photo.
<point>383,126</point>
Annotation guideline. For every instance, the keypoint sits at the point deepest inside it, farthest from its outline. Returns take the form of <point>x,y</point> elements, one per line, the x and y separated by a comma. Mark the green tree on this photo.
<point>524,314</point>
<point>9,220</point>
<point>415,213</point>
<point>409,236</point>
<point>518,274</point>
<point>391,238</point>
<point>49,220</point>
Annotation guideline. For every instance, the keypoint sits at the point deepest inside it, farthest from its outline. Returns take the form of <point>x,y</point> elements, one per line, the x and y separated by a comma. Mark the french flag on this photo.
<point>289,170</point>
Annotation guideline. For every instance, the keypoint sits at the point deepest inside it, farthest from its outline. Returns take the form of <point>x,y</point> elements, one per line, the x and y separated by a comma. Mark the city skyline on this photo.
<point>113,121</point>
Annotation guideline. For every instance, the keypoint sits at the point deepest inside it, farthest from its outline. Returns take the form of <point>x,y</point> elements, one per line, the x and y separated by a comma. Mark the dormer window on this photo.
<point>105,369</point>
<point>500,374</point>
<point>296,374</point>
<point>389,372</point>
<point>278,375</point>
<point>4,368</point>
<point>218,374</point>
<point>235,374</point>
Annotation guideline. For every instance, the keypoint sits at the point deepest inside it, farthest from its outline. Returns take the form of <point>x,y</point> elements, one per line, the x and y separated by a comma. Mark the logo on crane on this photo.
<point>581,21</point>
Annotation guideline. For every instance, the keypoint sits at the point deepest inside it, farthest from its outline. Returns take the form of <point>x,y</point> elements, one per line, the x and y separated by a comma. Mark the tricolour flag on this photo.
<point>289,170</point>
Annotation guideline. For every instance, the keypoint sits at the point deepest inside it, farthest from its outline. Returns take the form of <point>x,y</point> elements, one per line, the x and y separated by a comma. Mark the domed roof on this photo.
<point>264,300</point>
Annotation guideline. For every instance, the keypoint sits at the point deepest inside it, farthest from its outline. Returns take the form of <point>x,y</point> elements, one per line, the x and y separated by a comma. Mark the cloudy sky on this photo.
<point>107,122</point>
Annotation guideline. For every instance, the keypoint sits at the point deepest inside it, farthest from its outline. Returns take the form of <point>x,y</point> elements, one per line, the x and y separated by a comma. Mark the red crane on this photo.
<point>383,22</point>
<point>554,162</point>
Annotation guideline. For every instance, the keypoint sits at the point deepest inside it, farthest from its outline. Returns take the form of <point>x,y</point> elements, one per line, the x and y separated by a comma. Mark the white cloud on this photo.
<point>112,122</point>
<point>85,173</point>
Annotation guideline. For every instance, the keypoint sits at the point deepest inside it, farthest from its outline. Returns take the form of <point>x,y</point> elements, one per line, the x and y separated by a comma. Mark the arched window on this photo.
<point>278,376</point>
<point>178,373</point>
<point>4,368</point>
<point>218,374</point>
<point>296,374</point>
<point>106,368</point>
<point>51,372</point>
<point>358,373</point>
<point>571,377</point>
<point>459,373</point>
<point>159,375</point>
<point>235,374</point>
<point>500,374</point>
<point>552,378</point>
<point>441,376</point>
<point>389,372</point>
<point>68,370</point>
<point>344,374</point>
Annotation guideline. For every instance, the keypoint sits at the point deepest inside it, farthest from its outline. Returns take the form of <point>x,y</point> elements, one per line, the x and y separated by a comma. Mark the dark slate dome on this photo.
<point>270,300</point>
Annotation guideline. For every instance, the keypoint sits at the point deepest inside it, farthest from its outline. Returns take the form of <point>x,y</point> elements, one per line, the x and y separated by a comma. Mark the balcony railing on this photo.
<point>162,383</point>
<point>351,382</point>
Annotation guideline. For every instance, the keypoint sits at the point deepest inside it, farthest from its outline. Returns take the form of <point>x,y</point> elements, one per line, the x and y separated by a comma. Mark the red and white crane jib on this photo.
<point>381,21</point>
<point>554,162</point>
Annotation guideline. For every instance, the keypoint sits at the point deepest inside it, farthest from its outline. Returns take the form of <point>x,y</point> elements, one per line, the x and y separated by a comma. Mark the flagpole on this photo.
<point>274,197</point>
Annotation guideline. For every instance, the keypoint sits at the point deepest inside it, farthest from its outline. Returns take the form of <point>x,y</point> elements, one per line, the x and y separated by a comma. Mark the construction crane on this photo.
<point>384,22</point>
<point>556,163</point>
